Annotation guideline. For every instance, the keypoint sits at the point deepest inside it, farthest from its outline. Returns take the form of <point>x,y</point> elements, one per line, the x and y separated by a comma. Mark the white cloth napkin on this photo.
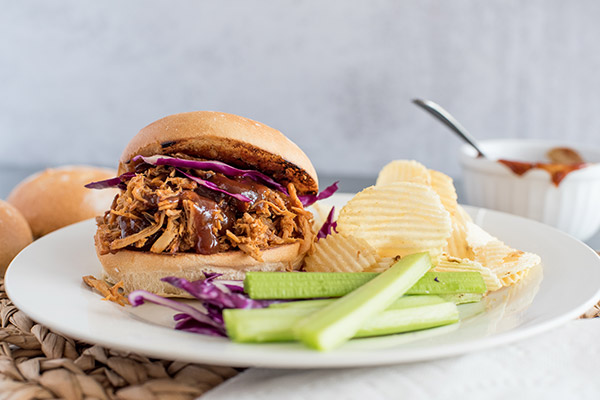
<point>560,364</point>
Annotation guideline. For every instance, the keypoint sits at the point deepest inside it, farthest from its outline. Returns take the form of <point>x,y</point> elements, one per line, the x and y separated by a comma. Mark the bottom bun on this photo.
<point>143,270</point>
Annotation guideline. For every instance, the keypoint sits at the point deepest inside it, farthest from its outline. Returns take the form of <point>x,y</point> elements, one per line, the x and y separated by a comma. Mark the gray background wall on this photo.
<point>79,78</point>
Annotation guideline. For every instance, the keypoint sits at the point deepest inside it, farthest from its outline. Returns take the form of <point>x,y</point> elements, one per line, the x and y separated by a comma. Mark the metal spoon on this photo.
<point>447,119</point>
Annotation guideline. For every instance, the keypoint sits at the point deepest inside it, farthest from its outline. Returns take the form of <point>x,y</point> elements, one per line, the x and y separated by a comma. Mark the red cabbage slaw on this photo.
<point>329,226</point>
<point>212,186</point>
<point>118,181</point>
<point>214,296</point>
<point>216,166</point>
<point>310,199</point>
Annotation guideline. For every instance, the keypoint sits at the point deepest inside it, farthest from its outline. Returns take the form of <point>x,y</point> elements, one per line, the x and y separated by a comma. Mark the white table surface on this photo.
<point>560,364</point>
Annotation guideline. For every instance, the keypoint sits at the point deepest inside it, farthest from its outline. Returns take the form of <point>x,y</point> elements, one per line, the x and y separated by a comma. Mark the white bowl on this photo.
<point>573,206</point>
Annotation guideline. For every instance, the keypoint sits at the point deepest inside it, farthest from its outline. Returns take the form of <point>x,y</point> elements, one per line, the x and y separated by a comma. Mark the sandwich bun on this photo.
<point>15,234</point>
<point>56,197</point>
<point>144,270</point>
<point>237,141</point>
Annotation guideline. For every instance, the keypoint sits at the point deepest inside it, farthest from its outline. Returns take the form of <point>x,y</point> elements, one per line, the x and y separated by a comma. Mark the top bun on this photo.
<point>235,140</point>
<point>14,234</point>
<point>57,197</point>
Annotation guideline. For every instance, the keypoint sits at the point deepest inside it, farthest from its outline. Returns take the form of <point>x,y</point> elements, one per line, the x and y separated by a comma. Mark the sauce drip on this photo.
<point>557,172</point>
<point>203,214</point>
<point>252,190</point>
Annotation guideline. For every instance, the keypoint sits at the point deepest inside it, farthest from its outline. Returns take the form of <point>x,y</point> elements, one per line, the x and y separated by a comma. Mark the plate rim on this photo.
<point>330,359</point>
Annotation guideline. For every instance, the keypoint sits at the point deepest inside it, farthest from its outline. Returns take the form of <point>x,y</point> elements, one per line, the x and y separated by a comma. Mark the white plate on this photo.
<point>45,282</point>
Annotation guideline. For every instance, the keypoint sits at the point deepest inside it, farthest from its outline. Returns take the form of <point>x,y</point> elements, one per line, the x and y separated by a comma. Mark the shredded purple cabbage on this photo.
<point>216,166</point>
<point>202,318</point>
<point>214,295</point>
<point>310,199</point>
<point>118,181</point>
<point>329,225</point>
<point>214,187</point>
<point>189,324</point>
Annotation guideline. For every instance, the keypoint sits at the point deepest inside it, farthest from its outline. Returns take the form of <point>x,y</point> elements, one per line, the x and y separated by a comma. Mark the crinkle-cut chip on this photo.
<point>404,171</point>
<point>381,265</point>
<point>450,264</point>
<point>340,253</point>
<point>463,215</point>
<point>497,256</point>
<point>457,245</point>
<point>504,260</point>
<point>444,187</point>
<point>398,219</point>
<point>476,236</point>
<point>511,279</point>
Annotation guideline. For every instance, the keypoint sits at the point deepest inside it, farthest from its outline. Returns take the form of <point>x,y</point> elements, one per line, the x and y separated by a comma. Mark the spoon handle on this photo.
<point>445,117</point>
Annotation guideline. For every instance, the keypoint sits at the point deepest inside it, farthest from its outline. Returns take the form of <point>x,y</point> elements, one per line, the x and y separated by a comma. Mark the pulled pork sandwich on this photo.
<point>206,192</point>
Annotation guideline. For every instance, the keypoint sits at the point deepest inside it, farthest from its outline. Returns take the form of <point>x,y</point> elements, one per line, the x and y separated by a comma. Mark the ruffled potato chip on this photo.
<point>381,265</point>
<point>341,253</point>
<point>404,171</point>
<point>398,219</point>
<point>457,245</point>
<point>414,171</point>
<point>443,185</point>
<point>510,280</point>
<point>503,260</point>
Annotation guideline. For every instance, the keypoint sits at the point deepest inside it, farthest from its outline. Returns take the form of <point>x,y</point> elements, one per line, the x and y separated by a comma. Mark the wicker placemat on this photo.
<point>36,363</point>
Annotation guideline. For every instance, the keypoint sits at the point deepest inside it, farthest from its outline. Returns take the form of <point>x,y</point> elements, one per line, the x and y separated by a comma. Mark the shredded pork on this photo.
<point>111,293</point>
<point>162,211</point>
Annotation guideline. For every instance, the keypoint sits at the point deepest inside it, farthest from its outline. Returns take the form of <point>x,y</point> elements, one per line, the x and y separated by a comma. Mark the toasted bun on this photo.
<point>235,140</point>
<point>143,270</point>
<point>14,234</point>
<point>57,197</point>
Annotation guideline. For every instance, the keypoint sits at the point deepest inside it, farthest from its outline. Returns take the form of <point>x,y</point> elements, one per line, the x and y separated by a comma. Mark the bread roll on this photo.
<point>56,197</point>
<point>14,234</point>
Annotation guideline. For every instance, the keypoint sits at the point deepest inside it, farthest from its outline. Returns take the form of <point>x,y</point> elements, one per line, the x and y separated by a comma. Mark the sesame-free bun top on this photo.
<point>56,197</point>
<point>14,234</point>
<point>232,139</point>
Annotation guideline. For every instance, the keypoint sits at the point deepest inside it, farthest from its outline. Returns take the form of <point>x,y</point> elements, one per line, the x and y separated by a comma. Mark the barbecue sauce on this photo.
<point>203,213</point>
<point>252,190</point>
<point>557,172</point>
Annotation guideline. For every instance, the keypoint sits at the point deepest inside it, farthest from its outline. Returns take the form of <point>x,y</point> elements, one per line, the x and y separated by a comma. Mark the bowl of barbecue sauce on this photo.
<point>554,183</point>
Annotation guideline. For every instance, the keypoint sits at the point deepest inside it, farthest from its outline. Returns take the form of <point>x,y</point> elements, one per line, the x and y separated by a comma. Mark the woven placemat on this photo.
<point>36,363</point>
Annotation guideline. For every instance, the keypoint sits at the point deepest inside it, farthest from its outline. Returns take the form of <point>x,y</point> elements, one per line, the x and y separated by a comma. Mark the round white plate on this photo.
<point>45,282</point>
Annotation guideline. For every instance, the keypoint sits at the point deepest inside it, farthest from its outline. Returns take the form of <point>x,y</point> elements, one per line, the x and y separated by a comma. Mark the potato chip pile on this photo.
<point>413,209</point>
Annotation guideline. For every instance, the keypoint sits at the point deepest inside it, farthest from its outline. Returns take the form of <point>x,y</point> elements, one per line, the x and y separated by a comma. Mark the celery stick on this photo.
<point>337,322</point>
<point>318,303</point>
<point>449,283</point>
<point>274,324</point>
<point>259,325</point>
<point>462,298</point>
<point>404,301</point>
<point>410,319</point>
<point>307,285</point>
<point>303,285</point>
